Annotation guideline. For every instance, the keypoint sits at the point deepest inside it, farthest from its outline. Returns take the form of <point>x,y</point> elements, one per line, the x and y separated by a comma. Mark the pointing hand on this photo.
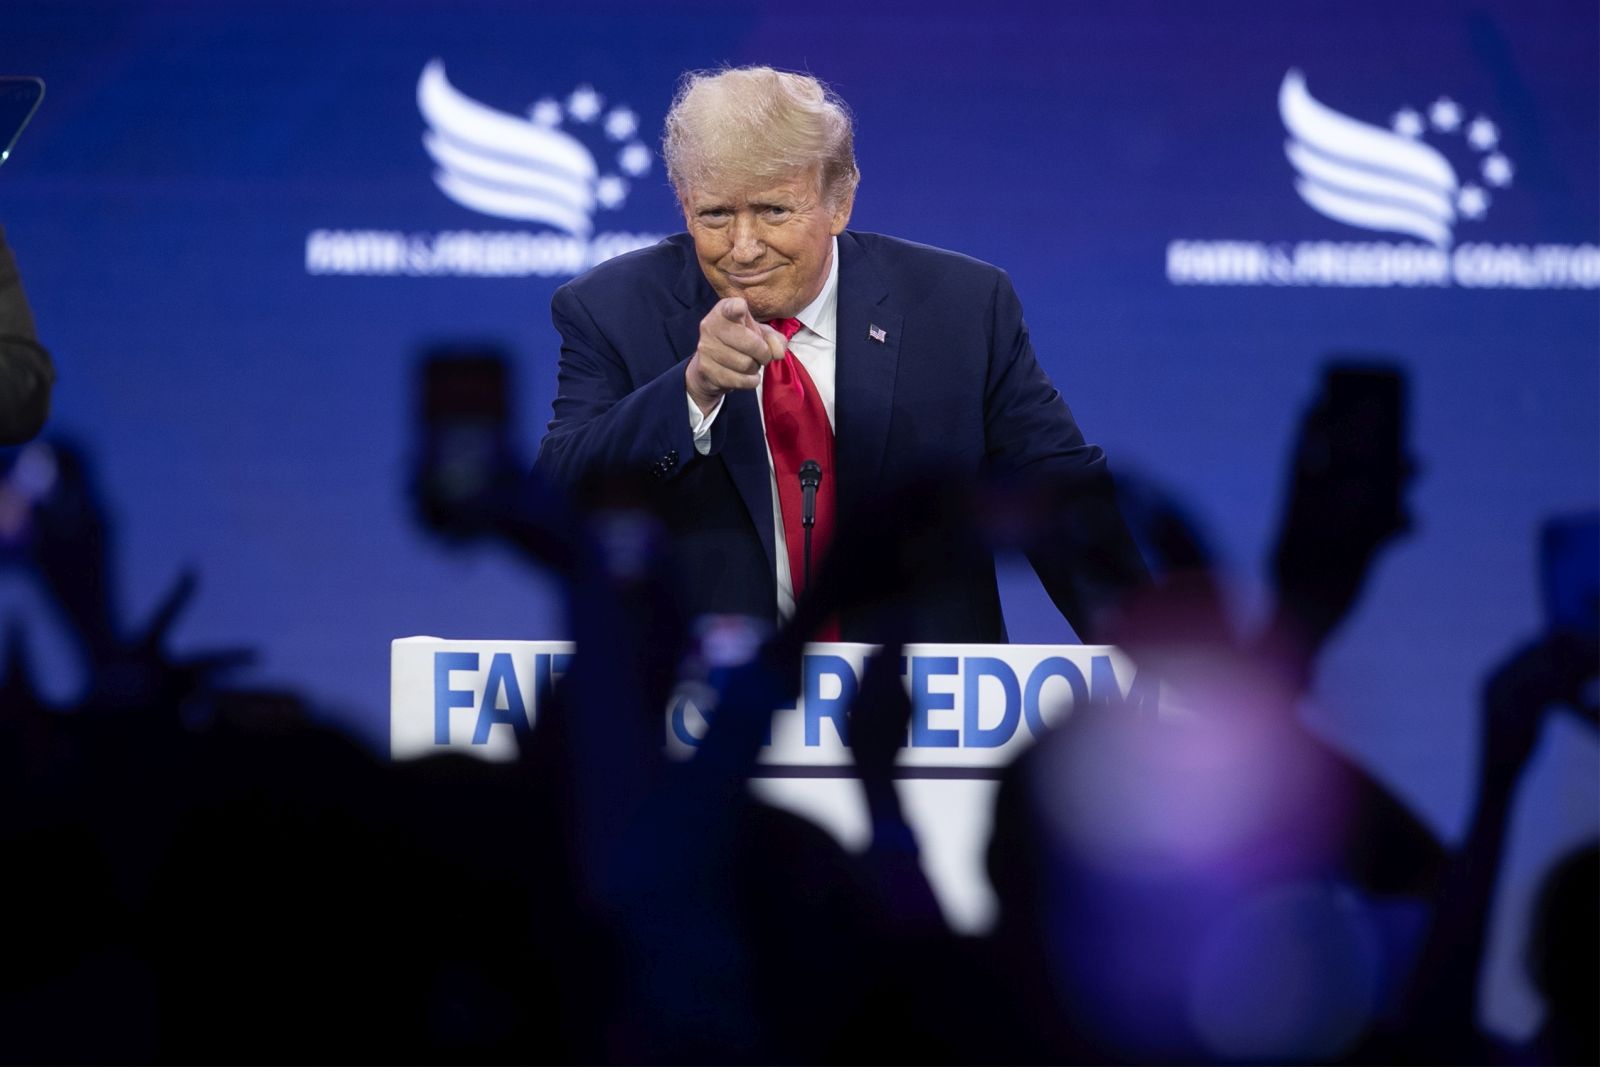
<point>732,350</point>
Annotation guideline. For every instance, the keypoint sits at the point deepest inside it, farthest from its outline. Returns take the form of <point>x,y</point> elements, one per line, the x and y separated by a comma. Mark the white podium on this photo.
<point>974,707</point>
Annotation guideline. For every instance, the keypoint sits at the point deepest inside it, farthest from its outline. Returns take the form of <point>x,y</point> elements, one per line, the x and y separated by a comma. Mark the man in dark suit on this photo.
<point>722,360</point>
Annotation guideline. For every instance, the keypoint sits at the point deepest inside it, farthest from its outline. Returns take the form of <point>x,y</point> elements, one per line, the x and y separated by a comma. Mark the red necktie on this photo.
<point>798,430</point>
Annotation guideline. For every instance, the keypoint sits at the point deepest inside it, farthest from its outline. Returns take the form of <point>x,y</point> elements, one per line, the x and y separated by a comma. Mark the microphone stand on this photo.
<point>810,479</point>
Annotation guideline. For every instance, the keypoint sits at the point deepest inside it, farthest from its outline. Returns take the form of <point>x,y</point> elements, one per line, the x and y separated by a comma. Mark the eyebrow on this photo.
<point>781,201</point>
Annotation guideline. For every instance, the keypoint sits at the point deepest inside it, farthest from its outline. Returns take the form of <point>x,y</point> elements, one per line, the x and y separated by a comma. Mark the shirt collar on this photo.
<point>821,315</point>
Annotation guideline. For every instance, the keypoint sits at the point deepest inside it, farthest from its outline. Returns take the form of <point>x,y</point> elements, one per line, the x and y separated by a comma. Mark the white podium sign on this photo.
<point>974,707</point>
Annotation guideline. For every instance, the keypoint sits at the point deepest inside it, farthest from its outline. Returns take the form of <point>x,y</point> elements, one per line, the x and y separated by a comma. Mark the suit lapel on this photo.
<point>744,449</point>
<point>864,372</point>
<point>744,453</point>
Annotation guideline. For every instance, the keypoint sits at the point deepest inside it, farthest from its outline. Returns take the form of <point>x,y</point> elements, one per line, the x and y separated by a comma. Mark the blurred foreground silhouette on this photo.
<point>200,872</point>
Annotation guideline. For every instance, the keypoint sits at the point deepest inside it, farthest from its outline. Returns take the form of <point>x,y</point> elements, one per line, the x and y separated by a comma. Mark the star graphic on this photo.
<point>1445,115</point>
<point>1472,202</point>
<point>634,159</point>
<point>1407,123</point>
<point>621,124</point>
<point>1497,170</point>
<point>611,191</point>
<point>584,104</point>
<point>1482,134</point>
<point>547,112</point>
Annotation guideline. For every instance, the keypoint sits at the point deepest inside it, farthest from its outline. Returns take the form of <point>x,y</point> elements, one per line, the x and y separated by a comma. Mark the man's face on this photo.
<point>769,243</point>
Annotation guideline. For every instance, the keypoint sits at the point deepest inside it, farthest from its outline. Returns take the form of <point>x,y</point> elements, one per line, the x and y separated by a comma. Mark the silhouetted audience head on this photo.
<point>1563,943</point>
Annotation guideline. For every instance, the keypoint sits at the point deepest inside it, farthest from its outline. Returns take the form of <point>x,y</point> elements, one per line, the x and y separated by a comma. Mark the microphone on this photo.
<point>810,479</point>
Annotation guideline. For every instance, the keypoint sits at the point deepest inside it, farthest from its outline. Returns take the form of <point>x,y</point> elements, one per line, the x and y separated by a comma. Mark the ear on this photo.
<point>841,214</point>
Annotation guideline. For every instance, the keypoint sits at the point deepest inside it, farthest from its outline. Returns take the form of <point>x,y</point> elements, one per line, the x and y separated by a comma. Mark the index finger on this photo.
<point>734,309</point>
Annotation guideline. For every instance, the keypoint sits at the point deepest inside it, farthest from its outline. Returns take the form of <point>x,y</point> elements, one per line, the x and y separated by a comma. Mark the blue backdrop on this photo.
<point>235,244</point>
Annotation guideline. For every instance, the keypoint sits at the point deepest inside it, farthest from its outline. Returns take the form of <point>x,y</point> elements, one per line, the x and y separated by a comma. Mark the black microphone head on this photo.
<point>810,474</point>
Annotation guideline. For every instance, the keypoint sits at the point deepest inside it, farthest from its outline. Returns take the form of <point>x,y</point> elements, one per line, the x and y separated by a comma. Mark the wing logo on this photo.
<point>530,168</point>
<point>1429,175</point>
<point>1365,175</point>
<point>1388,179</point>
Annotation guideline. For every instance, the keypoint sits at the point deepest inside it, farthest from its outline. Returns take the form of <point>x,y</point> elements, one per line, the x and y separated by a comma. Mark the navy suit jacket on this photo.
<point>953,385</point>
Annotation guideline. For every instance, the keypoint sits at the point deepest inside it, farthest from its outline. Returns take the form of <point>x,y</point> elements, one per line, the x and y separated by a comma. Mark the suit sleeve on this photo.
<point>1085,557</point>
<point>602,423</point>
<point>26,373</point>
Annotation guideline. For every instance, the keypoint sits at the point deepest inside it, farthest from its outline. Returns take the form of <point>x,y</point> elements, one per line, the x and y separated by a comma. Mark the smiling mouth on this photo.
<point>753,278</point>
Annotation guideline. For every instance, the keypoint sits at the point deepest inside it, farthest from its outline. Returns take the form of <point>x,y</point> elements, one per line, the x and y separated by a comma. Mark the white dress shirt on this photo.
<point>815,346</point>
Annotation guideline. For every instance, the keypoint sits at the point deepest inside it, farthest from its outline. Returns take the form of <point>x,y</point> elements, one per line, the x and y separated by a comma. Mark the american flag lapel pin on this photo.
<point>877,333</point>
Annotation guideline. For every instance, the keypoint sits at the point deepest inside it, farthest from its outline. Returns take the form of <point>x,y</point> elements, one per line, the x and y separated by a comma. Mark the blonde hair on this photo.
<point>753,124</point>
